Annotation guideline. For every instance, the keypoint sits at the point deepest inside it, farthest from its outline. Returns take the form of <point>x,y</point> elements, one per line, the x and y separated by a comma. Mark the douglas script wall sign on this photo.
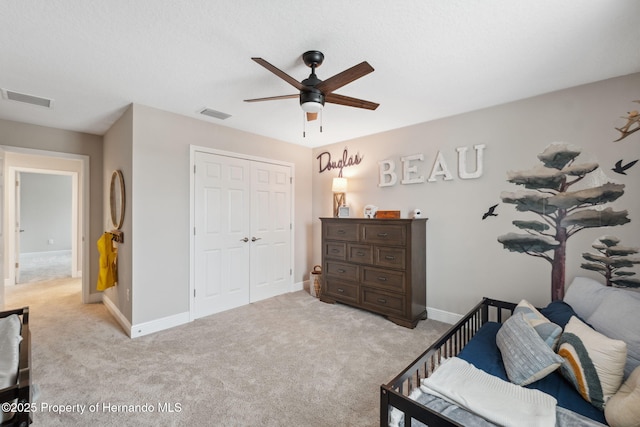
<point>326,163</point>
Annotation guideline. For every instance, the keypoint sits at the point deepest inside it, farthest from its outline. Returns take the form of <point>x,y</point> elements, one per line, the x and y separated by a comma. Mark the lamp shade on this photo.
<point>339,185</point>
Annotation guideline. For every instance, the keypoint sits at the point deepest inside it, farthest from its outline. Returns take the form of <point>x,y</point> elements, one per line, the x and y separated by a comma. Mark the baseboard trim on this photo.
<point>95,298</point>
<point>117,314</point>
<point>146,328</point>
<point>443,316</point>
<point>297,286</point>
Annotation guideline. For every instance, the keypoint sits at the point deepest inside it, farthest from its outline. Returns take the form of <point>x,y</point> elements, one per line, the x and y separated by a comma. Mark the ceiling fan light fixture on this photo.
<point>311,107</point>
<point>311,101</point>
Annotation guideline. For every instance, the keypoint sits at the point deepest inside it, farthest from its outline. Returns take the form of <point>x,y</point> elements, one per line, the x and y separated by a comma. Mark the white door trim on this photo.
<point>81,193</point>
<point>192,162</point>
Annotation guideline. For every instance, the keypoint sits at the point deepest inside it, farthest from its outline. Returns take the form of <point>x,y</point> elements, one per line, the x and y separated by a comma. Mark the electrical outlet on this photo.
<point>127,294</point>
<point>50,241</point>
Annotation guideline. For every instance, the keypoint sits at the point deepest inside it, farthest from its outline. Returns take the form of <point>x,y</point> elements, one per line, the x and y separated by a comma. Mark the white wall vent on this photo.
<point>215,114</point>
<point>29,99</point>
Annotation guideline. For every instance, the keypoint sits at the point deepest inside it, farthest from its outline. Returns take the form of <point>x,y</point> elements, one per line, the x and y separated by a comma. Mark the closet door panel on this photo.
<point>271,230</point>
<point>222,221</point>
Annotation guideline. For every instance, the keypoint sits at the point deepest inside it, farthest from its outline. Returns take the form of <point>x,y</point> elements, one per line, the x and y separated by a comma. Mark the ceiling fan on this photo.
<point>315,92</point>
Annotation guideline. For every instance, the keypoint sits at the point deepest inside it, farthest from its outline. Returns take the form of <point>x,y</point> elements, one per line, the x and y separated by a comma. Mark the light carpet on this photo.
<point>290,360</point>
<point>41,266</point>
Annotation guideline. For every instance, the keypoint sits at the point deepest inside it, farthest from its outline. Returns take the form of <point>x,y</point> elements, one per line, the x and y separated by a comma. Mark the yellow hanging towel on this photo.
<point>108,272</point>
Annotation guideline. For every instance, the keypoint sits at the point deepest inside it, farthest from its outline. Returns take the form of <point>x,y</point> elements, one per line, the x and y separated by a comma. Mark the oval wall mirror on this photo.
<point>117,199</point>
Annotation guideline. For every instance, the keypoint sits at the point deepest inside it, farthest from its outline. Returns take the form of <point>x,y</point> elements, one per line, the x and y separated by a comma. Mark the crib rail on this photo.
<point>396,392</point>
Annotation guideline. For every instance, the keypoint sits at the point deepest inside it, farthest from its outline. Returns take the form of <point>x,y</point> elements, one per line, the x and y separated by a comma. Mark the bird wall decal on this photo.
<point>632,125</point>
<point>620,168</point>
<point>490,212</point>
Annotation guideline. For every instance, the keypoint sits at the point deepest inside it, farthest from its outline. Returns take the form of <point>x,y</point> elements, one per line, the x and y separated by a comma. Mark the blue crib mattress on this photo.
<point>483,352</point>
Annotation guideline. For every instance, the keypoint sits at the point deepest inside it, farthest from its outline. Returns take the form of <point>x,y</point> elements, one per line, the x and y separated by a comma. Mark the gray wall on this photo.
<point>118,156</point>
<point>45,212</point>
<point>465,261</point>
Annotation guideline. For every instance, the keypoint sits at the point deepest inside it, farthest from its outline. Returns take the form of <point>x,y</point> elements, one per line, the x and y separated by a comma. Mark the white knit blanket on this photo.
<point>495,400</point>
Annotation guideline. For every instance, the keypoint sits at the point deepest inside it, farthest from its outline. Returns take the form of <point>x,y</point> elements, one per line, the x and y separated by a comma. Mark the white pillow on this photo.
<point>593,363</point>
<point>623,409</point>
<point>9,354</point>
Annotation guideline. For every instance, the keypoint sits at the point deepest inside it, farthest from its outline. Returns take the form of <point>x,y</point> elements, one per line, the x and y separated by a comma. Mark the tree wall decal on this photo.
<point>561,211</point>
<point>611,260</point>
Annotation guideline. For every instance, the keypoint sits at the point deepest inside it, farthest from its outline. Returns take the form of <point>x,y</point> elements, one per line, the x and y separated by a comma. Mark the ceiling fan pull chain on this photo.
<point>304,125</point>
<point>320,121</point>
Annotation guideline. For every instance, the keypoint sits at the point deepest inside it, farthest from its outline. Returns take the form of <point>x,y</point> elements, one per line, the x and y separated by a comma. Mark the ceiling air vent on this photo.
<point>215,114</point>
<point>28,99</point>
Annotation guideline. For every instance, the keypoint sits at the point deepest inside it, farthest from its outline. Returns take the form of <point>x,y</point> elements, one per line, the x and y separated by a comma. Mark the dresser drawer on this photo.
<point>362,254</point>
<point>341,290</point>
<point>390,257</point>
<point>388,234</point>
<point>335,250</point>
<point>384,279</point>
<point>342,271</point>
<point>341,231</point>
<point>382,302</point>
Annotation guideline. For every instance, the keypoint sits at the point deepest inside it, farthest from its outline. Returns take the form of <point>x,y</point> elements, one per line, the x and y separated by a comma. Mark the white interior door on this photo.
<point>222,222</point>
<point>270,230</point>
<point>18,230</point>
<point>242,242</point>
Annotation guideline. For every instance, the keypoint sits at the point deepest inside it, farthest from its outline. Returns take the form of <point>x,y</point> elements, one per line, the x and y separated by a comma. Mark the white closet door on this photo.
<point>242,216</point>
<point>270,230</point>
<point>222,221</point>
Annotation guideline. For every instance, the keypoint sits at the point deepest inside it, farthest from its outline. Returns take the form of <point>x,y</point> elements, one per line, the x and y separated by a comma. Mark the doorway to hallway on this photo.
<point>44,207</point>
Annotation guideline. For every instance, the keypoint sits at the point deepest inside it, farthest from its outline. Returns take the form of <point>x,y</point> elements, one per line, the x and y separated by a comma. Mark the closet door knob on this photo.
<point>246,239</point>
<point>253,239</point>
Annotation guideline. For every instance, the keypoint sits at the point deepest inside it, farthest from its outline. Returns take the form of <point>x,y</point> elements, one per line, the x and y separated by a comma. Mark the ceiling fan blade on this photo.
<point>272,98</point>
<point>312,116</point>
<point>278,72</point>
<point>334,98</point>
<point>345,77</point>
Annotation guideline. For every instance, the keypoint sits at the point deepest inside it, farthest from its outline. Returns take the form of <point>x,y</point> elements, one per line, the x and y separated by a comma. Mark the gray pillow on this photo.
<point>584,295</point>
<point>527,358</point>
<point>618,317</point>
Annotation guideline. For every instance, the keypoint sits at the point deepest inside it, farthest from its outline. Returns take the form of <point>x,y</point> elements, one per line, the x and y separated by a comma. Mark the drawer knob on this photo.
<point>382,278</point>
<point>335,251</point>
<point>390,257</point>
<point>382,300</point>
<point>340,231</point>
<point>340,270</point>
<point>340,290</point>
<point>360,253</point>
<point>383,234</point>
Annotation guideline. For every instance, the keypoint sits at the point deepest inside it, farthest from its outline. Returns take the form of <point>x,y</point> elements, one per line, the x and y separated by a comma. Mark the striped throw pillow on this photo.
<point>593,363</point>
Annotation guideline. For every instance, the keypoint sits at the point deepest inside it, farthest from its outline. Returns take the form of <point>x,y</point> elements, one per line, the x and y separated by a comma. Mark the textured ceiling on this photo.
<point>432,58</point>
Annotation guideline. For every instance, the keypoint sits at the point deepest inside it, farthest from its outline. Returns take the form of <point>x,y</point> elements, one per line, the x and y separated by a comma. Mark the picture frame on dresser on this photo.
<point>376,264</point>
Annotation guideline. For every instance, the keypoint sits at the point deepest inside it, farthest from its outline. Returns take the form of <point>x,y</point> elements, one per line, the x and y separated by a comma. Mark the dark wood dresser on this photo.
<point>378,265</point>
